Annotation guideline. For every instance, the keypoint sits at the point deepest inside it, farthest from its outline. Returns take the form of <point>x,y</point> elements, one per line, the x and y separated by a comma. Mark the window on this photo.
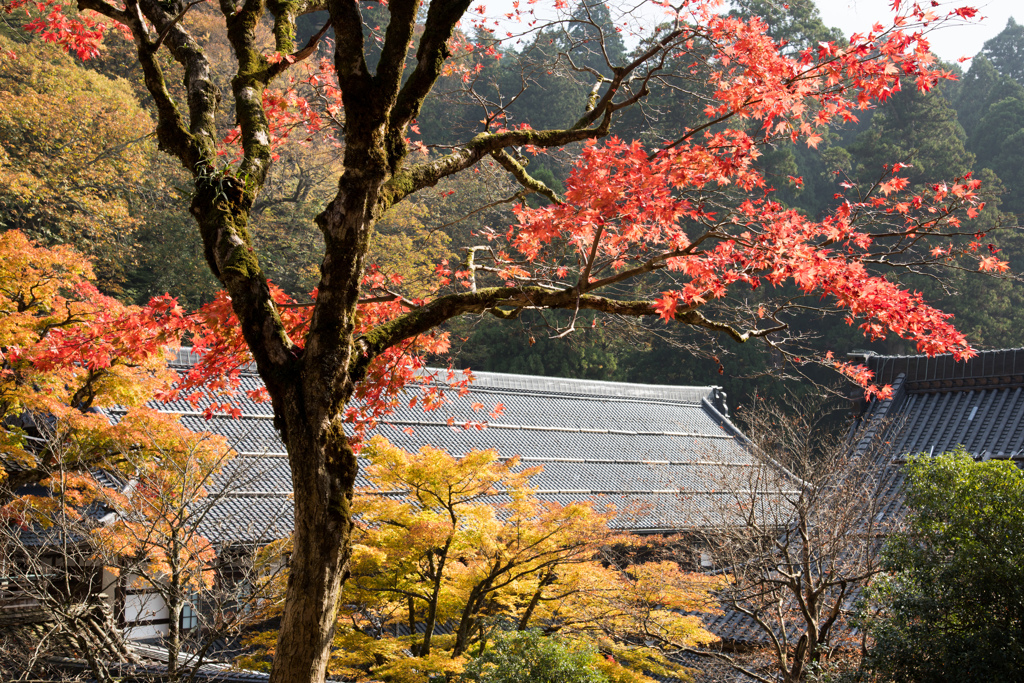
<point>189,617</point>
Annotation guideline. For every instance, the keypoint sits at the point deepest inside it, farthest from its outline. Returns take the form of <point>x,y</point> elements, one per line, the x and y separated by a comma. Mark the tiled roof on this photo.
<point>657,453</point>
<point>1002,367</point>
<point>939,403</point>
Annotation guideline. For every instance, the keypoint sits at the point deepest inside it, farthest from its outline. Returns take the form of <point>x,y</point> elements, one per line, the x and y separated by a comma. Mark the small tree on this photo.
<point>796,537</point>
<point>52,576</point>
<point>450,550</point>
<point>952,598</point>
<point>159,538</point>
<point>65,351</point>
<point>140,521</point>
<point>529,657</point>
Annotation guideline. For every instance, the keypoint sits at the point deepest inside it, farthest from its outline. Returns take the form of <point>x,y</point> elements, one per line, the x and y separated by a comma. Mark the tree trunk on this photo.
<point>524,621</point>
<point>468,620</point>
<point>796,673</point>
<point>431,622</point>
<point>323,467</point>
<point>173,599</point>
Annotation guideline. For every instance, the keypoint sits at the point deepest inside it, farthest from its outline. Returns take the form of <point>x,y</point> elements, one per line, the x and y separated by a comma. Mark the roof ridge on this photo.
<point>536,384</point>
<point>570,385</point>
<point>992,366</point>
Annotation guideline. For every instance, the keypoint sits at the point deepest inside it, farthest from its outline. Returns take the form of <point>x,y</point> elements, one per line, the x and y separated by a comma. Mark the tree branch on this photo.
<point>349,58</point>
<point>430,173</point>
<point>304,53</point>
<point>442,16</point>
<point>518,171</point>
<point>430,315</point>
<point>396,45</point>
<point>174,22</point>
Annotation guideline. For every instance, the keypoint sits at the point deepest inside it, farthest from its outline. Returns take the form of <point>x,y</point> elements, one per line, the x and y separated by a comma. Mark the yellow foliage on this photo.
<point>463,545</point>
<point>405,250</point>
<point>73,140</point>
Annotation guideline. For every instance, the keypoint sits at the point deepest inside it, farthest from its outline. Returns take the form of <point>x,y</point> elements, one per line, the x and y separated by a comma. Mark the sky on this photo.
<point>949,43</point>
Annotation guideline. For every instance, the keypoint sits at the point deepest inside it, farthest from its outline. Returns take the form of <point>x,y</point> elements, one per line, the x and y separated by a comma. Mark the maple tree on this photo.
<point>452,548</point>
<point>683,230</point>
<point>66,349</point>
<point>168,538</point>
<point>47,565</point>
<point>139,520</point>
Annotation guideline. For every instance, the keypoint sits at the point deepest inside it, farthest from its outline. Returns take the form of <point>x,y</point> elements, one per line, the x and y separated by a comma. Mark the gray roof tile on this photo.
<point>940,403</point>
<point>635,446</point>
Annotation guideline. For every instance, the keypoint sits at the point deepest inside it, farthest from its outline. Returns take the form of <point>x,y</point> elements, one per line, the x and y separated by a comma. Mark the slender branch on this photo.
<point>589,265</point>
<point>430,315</point>
<point>442,17</point>
<point>428,174</point>
<point>518,196</point>
<point>605,104</point>
<point>304,53</point>
<point>519,172</point>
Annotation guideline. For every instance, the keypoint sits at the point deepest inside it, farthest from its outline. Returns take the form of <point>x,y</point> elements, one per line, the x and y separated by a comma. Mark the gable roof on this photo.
<point>657,453</point>
<point>937,404</point>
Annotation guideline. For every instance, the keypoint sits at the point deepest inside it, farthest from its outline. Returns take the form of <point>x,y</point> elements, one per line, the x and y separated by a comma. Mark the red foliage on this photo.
<point>81,33</point>
<point>634,209</point>
<point>217,339</point>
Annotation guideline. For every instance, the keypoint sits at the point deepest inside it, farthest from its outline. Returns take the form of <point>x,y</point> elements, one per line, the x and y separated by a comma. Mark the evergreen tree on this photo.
<point>915,128</point>
<point>976,88</point>
<point>1003,116</point>
<point>595,42</point>
<point>547,92</point>
<point>1006,51</point>
<point>953,597</point>
<point>999,141</point>
<point>990,310</point>
<point>529,348</point>
<point>797,22</point>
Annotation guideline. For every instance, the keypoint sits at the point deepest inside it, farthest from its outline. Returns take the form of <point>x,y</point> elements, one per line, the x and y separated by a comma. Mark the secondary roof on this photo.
<point>939,403</point>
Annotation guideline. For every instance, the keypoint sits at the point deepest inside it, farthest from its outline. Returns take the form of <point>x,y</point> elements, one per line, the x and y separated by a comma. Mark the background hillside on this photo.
<point>129,216</point>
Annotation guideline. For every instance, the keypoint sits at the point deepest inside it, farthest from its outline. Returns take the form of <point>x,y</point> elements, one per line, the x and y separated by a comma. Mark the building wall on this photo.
<point>144,614</point>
